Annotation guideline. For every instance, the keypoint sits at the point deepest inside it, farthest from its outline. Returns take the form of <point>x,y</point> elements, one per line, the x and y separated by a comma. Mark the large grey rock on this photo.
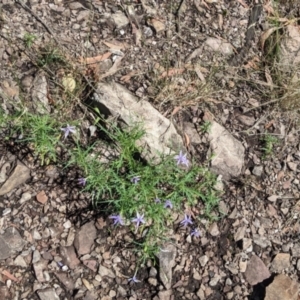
<point>19,176</point>
<point>281,288</point>
<point>39,94</point>
<point>161,135</point>
<point>228,152</point>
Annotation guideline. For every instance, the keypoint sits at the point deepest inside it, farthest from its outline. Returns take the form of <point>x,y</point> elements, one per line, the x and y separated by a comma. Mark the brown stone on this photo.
<point>42,197</point>
<point>280,262</point>
<point>69,257</point>
<point>256,271</point>
<point>85,238</point>
<point>281,288</point>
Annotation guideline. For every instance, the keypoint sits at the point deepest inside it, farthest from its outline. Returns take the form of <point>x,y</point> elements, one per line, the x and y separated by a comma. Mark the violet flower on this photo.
<point>187,220</point>
<point>133,279</point>
<point>139,219</point>
<point>182,159</point>
<point>196,232</point>
<point>135,179</point>
<point>168,204</point>
<point>68,129</point>
<point>118,220</point>
<point>157,200</point>
<point>82,181</point>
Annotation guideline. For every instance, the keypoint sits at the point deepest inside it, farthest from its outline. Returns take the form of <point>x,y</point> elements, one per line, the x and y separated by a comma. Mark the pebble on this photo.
<point>152,281</point>
<point>203,260</point>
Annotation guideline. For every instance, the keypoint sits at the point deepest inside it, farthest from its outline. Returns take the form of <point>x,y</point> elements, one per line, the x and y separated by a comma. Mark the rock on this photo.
<point>10,242</point>
<point>157,24</point>
<point>203,260</point>
<point>91,264</point>
<point>47,294</point>
<point>42,197</point>
<point>69,256</point>
<point>296,250</point>
<point>4,292</point>
<point>119,19</point>
<point>103,272</point>
<point>256,271</point>
<point>240,233</point>
<point>281,288</point>
<point>228,152</point>
<point>165,295</point>
<point>36,256</point>
<point>219,46</point>
<point>166,257</point>
<point>39,268</point>
<point>19,176</point>
<point>257,170</point>
<point>20,262</point>
<point>261,241</point>
<point>65,280</point>
<point>39,94</point>
<point>247,243</point>
<point>214,230</point>
<point>280,262</point>
<point>161,135</point>
<point>85,238</point>
<point>152,281</point>
<point>121,291</point>
<point>249,121</point>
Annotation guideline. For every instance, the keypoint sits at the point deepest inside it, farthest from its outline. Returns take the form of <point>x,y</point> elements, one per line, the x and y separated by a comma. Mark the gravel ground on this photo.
<point>194,57</point>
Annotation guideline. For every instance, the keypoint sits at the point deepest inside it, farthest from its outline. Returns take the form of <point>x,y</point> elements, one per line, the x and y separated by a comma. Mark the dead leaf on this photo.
<point>172,72</point>
<point>175,110</point>
<point>269,124</point>
<point>266,35</point>
<point>128,76</point>
<point>10,276</point>
<point>243,3</point>
<point>187,141</point>
<point>95,59</point>
<point>252,64</point>
<point>137,34</point>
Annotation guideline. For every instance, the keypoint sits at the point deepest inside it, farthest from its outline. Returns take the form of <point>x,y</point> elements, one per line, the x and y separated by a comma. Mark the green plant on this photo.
<point>205,127</point>
<point>143,195</point>
<point>29,39</point>
<point>268,144</point>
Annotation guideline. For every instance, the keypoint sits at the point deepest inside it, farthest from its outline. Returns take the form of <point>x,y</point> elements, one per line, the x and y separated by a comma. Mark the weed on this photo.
<point>29,39</point>
<point>268,144</point>
<point>205,127</point>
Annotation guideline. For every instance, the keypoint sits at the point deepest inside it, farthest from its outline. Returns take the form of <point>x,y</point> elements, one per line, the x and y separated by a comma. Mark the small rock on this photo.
<point>25,197</point>
<point>249,121</point>
<point>281,288</point>
<point>152,272</point>
<point>219,46</point>
<point>39,268</point>
<point>296,250</point>
<point>65,280</point>
<point>42,197</point>
<point>119,19</point>
<point>157,24</point>
<point>69,257</point>
<point>91,264</point>
<point>166,258</point>
<point>214,281</point>
<point>6,212</point>
<point>47,294</point>
<point>247,243</point>
<point>256,271</point>
<point>67,224</point>
<point>261,241</point>
<point>85,238</point>
<point>103,271</point>
<point>203,260</point>
<point>214,230</point>
<point>87,284</point>
<point>257,170</point>
<point>165,295</point>
<point>112,293</point>
<point>152,281</point>
<point>293,166</point>
<point>36,256</point>
<point>36,235</point>
<point>280,262</point>
<point>20,262</point>
<point>121,291</point>
<point>240,233</point>
<point>19,176</point>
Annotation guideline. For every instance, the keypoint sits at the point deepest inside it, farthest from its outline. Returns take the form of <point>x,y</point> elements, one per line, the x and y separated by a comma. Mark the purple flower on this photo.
<point>187,220</point>
<point>168,204</point>
<point>196,232</point>
<point>117,219</point>
<point>68,129</point>
<point>157,200</point>
<point>139,219</point>
<point>182,159</point>
<point>133,279</point>
<point>135,179</point>
<point>82,181</point>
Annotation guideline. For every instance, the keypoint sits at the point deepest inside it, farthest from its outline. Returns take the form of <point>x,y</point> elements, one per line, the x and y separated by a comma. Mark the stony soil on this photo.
<point>53,245</point>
